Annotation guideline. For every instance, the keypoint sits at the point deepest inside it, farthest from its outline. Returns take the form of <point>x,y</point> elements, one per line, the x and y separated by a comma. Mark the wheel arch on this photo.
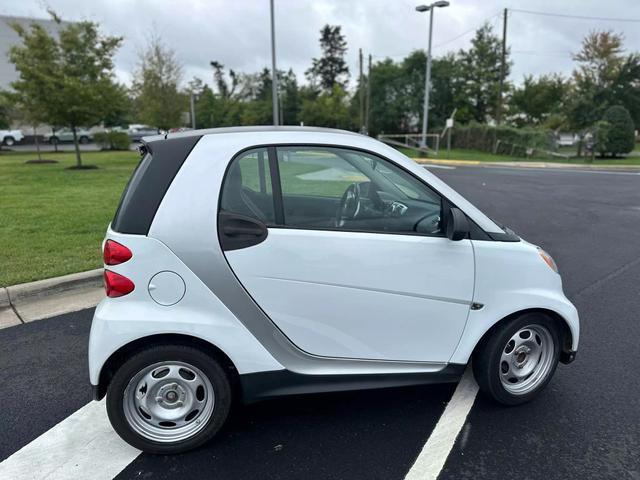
<point>121,355</point>
<point>565,329</point>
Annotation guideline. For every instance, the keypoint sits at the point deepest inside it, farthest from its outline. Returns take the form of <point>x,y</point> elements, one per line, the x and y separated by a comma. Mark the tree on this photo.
<point>156,86</point>
<point>388,101</point>
<point>537,99</point>
<point>481,72</point>
<point>290,95</point>
<point>328,109</point>
<point>620,136</point>
<point>603,77</point>
<point>331,68</point>
<point>4,110</point>
<point>68,80</point>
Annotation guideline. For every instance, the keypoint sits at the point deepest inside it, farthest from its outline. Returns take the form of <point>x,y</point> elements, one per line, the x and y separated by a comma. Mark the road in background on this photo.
<point>585,425</point>
<point>62,147</point>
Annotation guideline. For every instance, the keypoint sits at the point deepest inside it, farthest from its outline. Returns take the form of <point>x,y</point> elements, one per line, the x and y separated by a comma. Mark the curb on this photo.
<point>4,298</point>
<point>27,302</point>
<point>53,286</point>
<point>532,164</point>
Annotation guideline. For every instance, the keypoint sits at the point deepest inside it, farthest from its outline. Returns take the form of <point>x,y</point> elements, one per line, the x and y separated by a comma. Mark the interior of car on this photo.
<point>334,189</point>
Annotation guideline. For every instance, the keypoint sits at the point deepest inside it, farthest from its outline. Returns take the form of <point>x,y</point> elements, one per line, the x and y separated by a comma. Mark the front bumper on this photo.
<point>567,357</point>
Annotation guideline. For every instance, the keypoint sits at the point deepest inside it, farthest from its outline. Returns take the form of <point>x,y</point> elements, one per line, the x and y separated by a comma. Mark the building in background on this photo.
<point>9,38</point>
<point>8,74</point>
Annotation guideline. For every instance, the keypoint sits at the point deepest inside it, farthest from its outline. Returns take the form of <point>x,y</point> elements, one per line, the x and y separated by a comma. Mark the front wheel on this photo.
<point>518,360</point>
<point>168,399</point>
<point>9,141</point>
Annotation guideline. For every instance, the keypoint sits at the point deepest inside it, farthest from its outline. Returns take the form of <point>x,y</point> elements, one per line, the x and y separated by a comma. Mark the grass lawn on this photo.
<point>52,220</point>
<point>478,155</point>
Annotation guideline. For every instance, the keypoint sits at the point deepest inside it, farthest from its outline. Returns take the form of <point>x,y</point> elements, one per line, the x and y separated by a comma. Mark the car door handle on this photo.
<point>239,231</point>
<point>236,230</point>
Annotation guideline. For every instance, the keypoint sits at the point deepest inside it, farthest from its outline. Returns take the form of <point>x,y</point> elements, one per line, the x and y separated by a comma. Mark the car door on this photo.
<point>352,261</point>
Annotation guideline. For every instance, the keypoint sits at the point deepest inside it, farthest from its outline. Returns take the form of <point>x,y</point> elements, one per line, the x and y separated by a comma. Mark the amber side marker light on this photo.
<point>548,260</point>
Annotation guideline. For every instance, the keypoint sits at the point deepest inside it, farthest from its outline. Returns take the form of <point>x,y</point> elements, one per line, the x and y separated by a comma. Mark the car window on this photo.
<point>247,187</point>
<point>337,188</point>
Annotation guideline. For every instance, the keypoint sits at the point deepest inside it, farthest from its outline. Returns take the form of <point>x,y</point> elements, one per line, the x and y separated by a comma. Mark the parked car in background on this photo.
<point>66,135</point>
<point>10,137</point>
<point>136,132</point>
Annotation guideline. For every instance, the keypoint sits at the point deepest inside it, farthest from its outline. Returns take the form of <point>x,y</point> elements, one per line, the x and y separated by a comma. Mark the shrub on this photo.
<point>601,133</point>
<point>112,140</point>
<point>510,140</point>
<point>621,132</point>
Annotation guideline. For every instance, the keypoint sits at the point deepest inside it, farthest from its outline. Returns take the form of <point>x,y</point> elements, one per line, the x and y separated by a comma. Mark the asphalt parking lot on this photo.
<point>585,425</point>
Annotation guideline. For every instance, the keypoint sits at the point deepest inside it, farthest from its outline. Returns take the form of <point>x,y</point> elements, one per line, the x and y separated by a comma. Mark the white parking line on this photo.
<point>83,445</point>
<point>435,452</point>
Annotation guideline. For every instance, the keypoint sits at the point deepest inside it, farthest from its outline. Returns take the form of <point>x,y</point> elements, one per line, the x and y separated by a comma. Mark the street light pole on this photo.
<point>274,71</point>
<point>427,80</point>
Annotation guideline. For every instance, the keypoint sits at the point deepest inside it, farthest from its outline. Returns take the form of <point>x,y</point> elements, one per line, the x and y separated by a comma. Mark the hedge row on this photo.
<point>112,140</point>
<point>514,141</point>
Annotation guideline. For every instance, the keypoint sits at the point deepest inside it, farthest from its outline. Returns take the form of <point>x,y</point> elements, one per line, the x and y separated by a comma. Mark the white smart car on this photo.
<point>249,263</point>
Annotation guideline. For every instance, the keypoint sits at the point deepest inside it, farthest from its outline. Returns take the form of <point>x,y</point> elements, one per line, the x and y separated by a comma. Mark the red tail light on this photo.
<point>115,253</point>
<point>117,285</point>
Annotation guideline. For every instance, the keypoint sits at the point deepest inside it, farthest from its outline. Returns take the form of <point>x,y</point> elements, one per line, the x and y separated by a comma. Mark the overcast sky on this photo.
<point>236,32</point>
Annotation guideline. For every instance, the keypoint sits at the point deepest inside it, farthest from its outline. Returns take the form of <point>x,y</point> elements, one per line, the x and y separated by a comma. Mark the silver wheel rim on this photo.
<point>526,359</point>
<point>168,401</point>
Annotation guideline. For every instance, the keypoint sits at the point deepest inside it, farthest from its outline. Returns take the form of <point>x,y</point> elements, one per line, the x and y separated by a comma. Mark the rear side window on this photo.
<point>247,188</point>
<point>149,183</point>
<point>132,184</point>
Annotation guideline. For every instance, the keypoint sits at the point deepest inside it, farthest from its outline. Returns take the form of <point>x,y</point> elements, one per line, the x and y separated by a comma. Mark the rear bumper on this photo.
<point>97,393</point>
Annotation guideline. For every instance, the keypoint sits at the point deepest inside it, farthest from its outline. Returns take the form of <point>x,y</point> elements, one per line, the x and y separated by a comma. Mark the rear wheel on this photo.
<point>169,399</point>
<point>9,141</point>
<point>519,358</point>
<point>84,140</point>
<point>54,140</point>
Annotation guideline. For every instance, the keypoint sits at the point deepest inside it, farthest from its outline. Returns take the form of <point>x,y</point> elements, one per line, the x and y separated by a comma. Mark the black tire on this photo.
<point>84,140</point>
<point>194,356</point>
<point>54,140</point>
<point>9,141</point>
<point>487,358</point>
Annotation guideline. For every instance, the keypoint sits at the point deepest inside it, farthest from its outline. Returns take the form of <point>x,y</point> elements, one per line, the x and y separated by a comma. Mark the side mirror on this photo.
<point>457,224</point>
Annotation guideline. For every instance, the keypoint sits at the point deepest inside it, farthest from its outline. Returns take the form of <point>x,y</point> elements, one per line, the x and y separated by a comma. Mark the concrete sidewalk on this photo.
<point>32,301</point>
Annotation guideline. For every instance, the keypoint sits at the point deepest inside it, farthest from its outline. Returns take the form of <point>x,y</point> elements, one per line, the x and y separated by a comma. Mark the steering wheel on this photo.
<point>349,205</point>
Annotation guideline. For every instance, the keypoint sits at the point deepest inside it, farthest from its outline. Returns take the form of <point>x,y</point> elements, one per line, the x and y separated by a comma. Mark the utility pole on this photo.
<point>367,104</point>
<point>193,111</point>
<point>503,68</point>
<point>361,92</point>
<point>274,71</point>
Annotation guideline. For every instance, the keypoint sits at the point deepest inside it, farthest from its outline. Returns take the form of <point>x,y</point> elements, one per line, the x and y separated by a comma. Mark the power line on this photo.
<point>473,29</point>
<point>466,32</point>
<point>578,17</point>
<point>562,54</point>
